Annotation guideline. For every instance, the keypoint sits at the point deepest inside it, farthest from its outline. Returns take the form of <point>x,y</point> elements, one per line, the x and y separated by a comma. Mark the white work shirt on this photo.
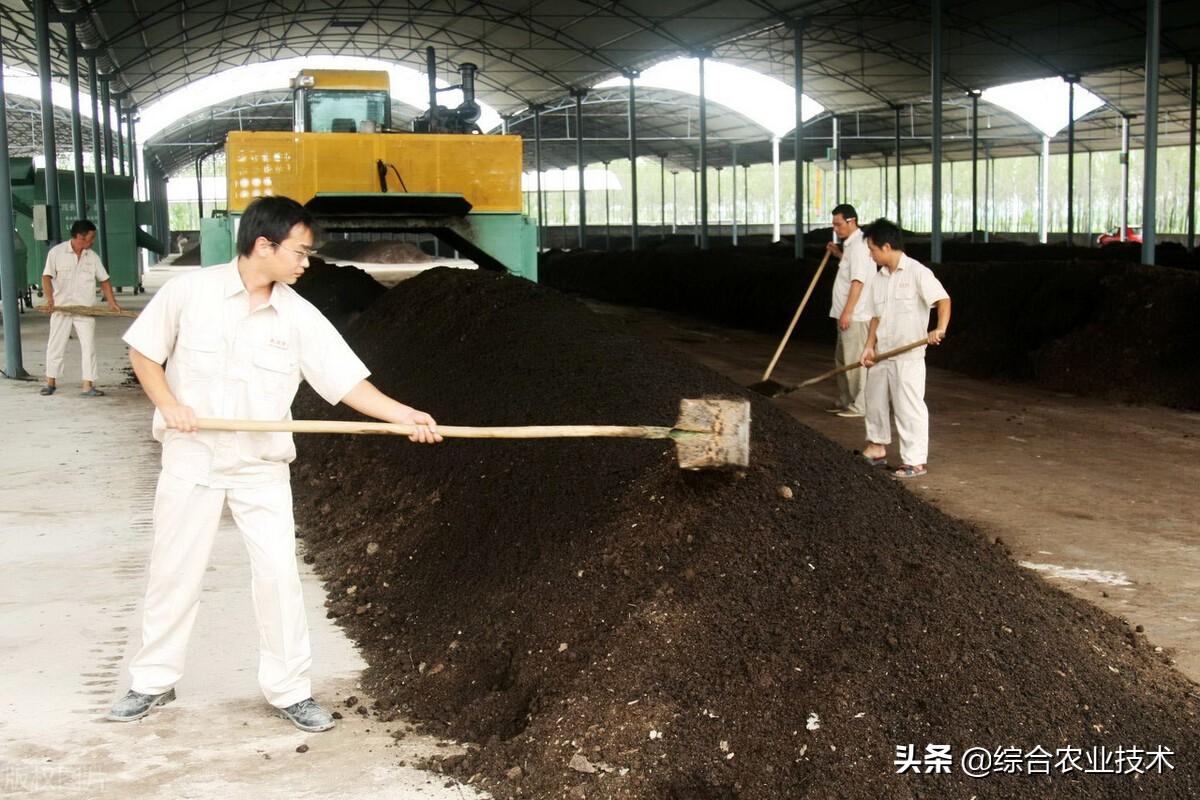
<point>902,301</point>
<point>856,265</point>
<point>73,277</point>
<point>225,362</point>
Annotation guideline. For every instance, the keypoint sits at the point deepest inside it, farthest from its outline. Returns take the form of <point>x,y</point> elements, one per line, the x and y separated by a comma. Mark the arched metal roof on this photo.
<point>862,57</point>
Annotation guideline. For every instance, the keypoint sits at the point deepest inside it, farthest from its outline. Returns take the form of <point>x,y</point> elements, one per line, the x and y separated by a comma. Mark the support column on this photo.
<point>719,209</point>
<point>1044,192</point>
<point>935,231</point>
<point>97,164</point>
<point>106,110</point>
<point>775,182</point>
<point>199,191</point>
<point>76,127</point>
<point>537,165</point>
<point>989,180</point>
<point>798,86</point>
<point>607,211</point>
<point>837,163</point>
<point>1150,126</point>
<point>746,195</point>
<point>131,117</point>
<point>1191,204</point>
<point>579,95</point>
<point>662,193</point>
<point>974,164</point>
<point>1071,160</point>
<point>899,196</point>
<point>703,159</point>
<point>733,191</point>
<point>12,274</point>
<point>696,206</point>
<point>41,24</point>
<point>674,201</point>
<point>1124,176</point>
<point>633,211</point>
<point>1090,224</point>
<point>119,99</point>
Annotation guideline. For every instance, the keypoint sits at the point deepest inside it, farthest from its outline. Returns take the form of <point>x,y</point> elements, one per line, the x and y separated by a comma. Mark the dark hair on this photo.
<point>272,218</point>
<point>846,210</point>
<point>884,231</point>
<point>82,227</point>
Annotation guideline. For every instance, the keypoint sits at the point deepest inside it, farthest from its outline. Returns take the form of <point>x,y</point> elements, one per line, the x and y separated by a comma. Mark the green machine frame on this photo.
<point>124,218</point>
<point>504,242</point>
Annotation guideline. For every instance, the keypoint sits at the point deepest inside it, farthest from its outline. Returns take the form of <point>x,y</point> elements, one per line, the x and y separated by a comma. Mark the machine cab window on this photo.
<point>341,101</point>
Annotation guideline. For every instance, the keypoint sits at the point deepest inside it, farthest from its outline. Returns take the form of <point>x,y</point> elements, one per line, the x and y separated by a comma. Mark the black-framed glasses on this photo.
<point>304,254</point>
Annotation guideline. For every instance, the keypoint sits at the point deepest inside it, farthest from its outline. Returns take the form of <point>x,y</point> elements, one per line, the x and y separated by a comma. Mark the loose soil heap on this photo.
<point>340,292</point>
<point>383,251</point>
<point>598,623</point>
<point>1102,328</point>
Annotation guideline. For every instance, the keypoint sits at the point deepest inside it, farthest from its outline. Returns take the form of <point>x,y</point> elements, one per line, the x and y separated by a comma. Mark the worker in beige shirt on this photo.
<point>850,308</point>
<point>902,294</point>
<point>69,279</point>
<point>237,341</point>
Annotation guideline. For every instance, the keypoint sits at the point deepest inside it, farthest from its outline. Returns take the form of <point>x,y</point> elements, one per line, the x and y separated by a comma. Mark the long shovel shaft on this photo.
<point>795,318</point>
<point>450,431</point>
<point>849,367</point>
<point>89,311</point>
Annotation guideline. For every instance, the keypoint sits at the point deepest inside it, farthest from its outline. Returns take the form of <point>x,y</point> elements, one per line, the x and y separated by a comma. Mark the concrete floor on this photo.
<point>1100,498</point>
<point>76,490</point>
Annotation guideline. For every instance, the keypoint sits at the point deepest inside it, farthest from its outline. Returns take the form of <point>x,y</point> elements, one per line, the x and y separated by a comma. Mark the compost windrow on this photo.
<point>773,632</point>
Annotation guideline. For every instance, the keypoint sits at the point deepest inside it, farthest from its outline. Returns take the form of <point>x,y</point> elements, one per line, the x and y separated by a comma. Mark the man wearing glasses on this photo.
<point>236,341</point>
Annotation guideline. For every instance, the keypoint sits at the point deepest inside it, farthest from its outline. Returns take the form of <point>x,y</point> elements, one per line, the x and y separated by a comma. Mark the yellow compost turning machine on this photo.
<point>359,175</point>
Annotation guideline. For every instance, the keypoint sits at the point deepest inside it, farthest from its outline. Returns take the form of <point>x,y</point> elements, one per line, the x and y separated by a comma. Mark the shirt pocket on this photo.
<point>276,371</point>
<point>199,356</point>
<point>906,290</point>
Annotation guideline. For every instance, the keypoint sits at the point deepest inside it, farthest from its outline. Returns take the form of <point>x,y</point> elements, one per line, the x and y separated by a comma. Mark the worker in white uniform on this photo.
<point>850,309</point>
<point>69,279</point>
<point>237,340</point>
<point>902,294</point>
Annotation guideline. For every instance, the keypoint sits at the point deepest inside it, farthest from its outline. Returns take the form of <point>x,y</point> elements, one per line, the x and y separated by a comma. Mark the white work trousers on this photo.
<point>849,349</point>
<point>186,516</point>
<point>56,347</point>
<point>898,386</point>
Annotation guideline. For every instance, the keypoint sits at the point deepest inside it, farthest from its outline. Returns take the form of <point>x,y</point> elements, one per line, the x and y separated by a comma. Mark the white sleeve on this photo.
<point>862,266</point>
<point>49,269</point>
<point>326,361</point>
<point>153,332</point>
<point>930,287</point>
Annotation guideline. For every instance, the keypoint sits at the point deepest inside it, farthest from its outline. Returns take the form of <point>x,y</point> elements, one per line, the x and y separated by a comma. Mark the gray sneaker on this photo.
<point>135,705</point>
<point>308,716</point>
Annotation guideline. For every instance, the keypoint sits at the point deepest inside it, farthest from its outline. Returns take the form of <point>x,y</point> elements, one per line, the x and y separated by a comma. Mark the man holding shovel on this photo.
<point>901,294</point>
<point>69,279</point>
<point>851,311</point>
<point>237,341</point>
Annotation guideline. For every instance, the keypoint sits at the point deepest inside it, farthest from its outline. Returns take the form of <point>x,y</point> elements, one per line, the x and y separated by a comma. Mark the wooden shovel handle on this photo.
<point>89,311</point>
<point>848,367</point>
<point>452,431</point>
<point>795,318</point>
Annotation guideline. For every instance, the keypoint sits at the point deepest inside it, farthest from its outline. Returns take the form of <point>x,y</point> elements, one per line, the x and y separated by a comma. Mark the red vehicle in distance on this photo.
<point>1132,234</point>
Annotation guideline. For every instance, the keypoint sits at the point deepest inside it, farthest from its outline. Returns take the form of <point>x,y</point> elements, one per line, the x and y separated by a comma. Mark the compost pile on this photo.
<point>595,622</point>
<point>383,251</point>
<point>339,292</point>
<point>1094,326</point>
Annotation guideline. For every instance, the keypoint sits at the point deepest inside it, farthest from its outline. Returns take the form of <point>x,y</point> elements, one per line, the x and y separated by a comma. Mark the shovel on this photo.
<point>851,367</point>
<point>767,386</point>
<point>710,433</point>
<point>89,311</point>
